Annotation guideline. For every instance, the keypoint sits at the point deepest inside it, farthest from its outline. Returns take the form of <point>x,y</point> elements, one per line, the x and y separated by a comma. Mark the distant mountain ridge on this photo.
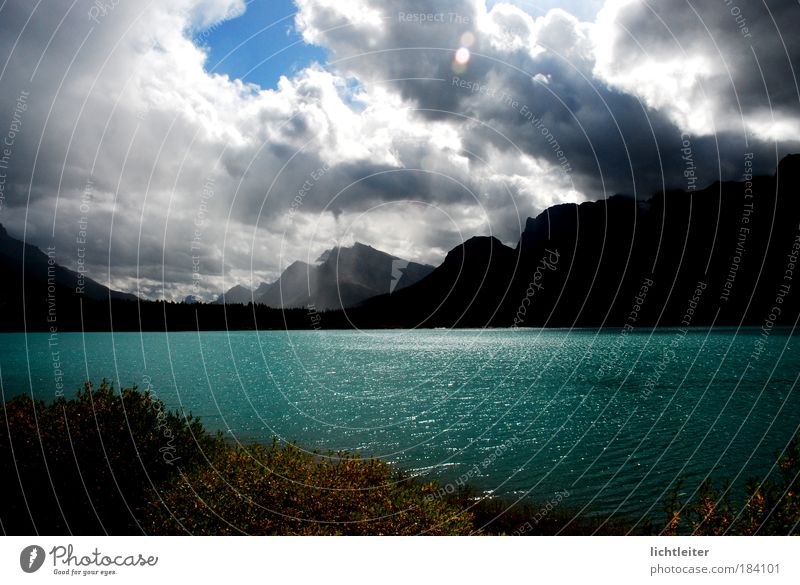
<point>726,255</point>
<point>718,255</point>
<point>237,295</point>
<point>342,277</point>
<point>38,267</point>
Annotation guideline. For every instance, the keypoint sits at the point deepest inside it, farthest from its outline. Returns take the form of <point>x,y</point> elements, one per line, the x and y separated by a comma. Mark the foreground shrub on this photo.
<point>108,462</point>
<point>771,507</point>
<point>121,463</point>
<point>283,490</point>
<point>87,465</point>
<point>498,516</point>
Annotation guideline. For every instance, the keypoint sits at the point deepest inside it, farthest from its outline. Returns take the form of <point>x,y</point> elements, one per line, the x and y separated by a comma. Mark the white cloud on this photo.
<point>412,163</point>
<point>711,68</point>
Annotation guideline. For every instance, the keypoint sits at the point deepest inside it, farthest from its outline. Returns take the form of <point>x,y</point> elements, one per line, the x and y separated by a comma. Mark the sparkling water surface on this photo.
<point>613,419</point>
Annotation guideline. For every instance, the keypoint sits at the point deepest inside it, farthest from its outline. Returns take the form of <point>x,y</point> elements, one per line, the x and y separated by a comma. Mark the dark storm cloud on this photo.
<point>183,165</point>
<point>615,141</point>
<point>752,47</point>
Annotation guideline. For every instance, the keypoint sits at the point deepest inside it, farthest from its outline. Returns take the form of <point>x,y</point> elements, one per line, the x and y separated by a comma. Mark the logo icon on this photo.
<point>31,558</point>
<point>398,271</point>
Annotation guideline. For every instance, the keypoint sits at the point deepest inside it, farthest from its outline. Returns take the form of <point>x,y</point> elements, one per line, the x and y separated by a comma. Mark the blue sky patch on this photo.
<point>259,46</point>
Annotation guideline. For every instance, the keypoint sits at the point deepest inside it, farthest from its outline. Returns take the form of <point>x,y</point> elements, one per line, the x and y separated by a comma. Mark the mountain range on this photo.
<point>33,280</point>
<point>342,277</point>
<point>723,255</point>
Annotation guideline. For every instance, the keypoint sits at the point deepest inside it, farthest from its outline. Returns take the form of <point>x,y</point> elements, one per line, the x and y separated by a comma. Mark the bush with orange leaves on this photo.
<point>770,507</point>
<point>281,489</point>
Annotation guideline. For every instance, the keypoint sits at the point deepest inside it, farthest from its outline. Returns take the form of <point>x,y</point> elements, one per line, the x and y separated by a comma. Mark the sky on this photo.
<point>187,146</point>
<point>259,46</point>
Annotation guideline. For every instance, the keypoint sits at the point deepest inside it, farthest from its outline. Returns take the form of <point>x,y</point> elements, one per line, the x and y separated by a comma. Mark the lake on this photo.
<point>613,418</point>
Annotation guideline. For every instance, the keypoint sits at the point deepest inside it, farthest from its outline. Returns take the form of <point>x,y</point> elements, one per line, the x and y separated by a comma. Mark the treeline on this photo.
<point>69,312</point>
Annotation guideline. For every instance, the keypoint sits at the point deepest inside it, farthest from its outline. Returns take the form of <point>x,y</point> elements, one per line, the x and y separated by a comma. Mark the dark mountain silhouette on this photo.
<point>36,289</point>
<point>726,255</point>
<point>719,255</point>
<point>341,278</point>
<point>35,269</point>
<point>236,295</point>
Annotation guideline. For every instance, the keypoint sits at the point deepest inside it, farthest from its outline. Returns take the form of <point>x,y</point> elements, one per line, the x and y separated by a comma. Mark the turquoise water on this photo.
<point>612,419</point>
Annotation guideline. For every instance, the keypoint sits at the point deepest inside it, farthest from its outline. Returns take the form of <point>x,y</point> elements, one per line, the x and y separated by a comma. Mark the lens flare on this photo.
<point>462,56</point>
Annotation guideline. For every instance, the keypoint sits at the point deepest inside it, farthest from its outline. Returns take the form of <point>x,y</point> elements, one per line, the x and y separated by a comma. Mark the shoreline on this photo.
<point>182,479</point>
<point>599,328</point>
